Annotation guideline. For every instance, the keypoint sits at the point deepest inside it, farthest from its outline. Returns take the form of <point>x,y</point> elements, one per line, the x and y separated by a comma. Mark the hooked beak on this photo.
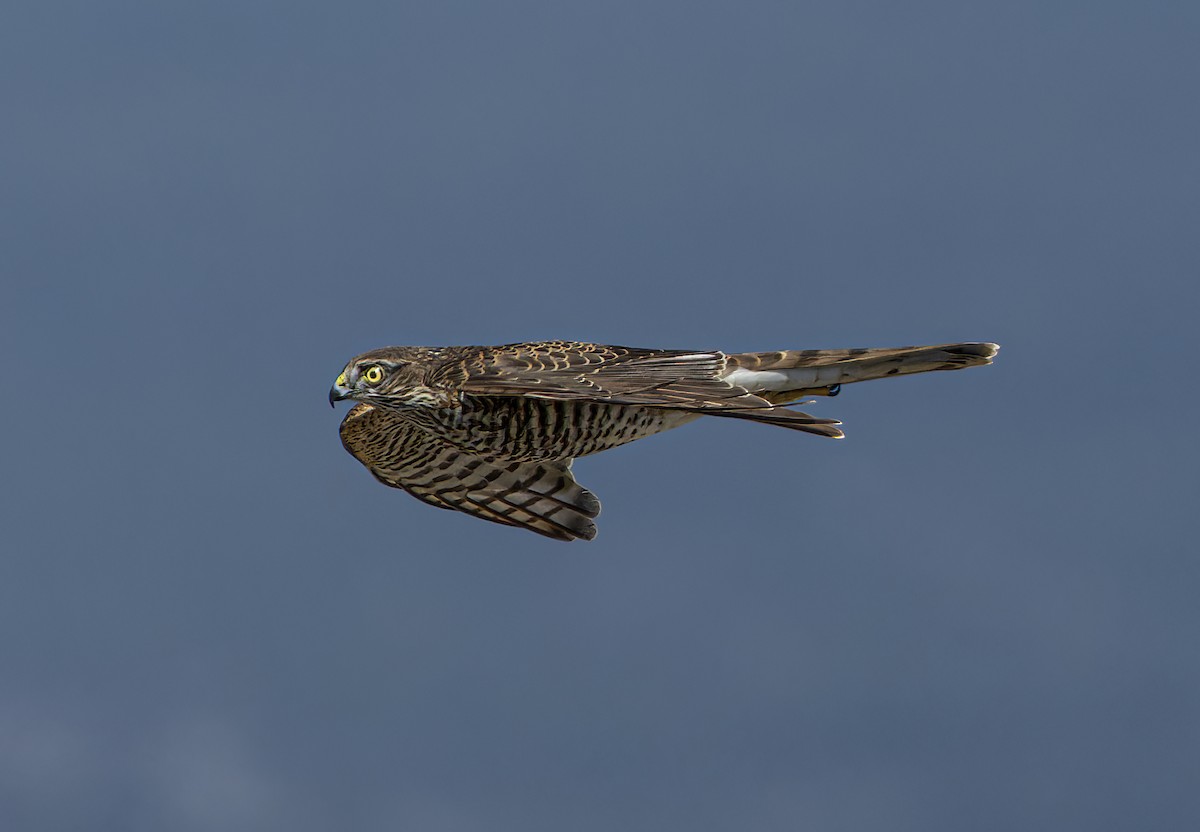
<point>339,390</point>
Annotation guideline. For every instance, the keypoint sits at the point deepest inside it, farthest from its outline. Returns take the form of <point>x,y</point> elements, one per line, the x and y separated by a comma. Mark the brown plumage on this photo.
<point>492,431</point>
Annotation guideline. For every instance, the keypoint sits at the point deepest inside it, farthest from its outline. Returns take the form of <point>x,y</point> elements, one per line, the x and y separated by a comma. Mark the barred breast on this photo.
<point>540,429</point>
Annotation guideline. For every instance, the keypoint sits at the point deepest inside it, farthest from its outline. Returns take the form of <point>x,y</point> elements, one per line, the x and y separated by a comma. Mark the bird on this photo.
<point>492,431</point>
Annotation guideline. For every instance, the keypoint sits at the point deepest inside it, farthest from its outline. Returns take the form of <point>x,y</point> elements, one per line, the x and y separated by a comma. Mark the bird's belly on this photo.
<point>526,428</point>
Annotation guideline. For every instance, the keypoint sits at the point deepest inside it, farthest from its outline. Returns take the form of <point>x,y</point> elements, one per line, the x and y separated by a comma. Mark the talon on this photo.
<point>834,389</point>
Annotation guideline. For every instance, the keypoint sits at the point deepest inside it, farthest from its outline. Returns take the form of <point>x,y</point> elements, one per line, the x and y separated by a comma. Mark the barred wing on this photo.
<point>673,379</point>
<point>542,497</point>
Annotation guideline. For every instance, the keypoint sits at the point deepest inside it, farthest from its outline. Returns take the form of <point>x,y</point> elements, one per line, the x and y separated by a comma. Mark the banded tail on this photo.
<point>788,375</point>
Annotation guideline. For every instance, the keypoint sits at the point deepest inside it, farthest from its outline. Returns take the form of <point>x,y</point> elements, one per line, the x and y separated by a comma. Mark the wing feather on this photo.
<point>539,496</point>
<point>674,379</point>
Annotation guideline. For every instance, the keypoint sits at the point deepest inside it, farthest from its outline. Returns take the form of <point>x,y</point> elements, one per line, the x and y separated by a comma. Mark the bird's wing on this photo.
<point>542,497</point>
<point>623,375</point>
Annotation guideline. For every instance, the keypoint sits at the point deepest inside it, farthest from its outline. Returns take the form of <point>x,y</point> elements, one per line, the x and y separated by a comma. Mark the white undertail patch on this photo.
<point>757,381</point>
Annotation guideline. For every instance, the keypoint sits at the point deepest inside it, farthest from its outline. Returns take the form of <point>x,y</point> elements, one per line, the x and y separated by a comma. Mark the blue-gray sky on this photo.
<point>977,612</point>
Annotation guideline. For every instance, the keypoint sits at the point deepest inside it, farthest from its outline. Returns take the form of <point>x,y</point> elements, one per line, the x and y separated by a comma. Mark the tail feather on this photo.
<point>784,418</point>
<point>790,374</point>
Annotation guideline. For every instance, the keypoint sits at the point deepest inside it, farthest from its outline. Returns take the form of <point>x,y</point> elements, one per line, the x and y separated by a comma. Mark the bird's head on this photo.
<point>388,377</point>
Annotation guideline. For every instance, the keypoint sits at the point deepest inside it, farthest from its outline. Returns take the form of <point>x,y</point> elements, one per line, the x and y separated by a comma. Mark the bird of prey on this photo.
<point>492,431</point>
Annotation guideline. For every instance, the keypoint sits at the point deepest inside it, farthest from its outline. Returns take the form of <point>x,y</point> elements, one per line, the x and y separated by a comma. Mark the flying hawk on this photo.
<point>492,431</point>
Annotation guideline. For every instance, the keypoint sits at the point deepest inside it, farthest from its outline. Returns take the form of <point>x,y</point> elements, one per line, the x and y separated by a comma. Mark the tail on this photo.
<point>791,374</point>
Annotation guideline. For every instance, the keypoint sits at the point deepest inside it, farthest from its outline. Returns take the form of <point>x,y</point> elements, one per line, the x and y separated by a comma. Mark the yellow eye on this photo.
<point>373,374</point>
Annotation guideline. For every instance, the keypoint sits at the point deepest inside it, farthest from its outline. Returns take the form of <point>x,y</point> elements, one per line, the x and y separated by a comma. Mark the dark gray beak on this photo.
<point>336,394</point>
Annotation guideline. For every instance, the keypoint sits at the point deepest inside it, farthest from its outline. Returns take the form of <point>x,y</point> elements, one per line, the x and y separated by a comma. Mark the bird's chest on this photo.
<point>525,428</point>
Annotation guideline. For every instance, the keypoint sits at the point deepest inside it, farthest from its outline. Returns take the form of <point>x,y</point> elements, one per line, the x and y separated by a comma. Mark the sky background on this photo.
<point>979,611</point>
